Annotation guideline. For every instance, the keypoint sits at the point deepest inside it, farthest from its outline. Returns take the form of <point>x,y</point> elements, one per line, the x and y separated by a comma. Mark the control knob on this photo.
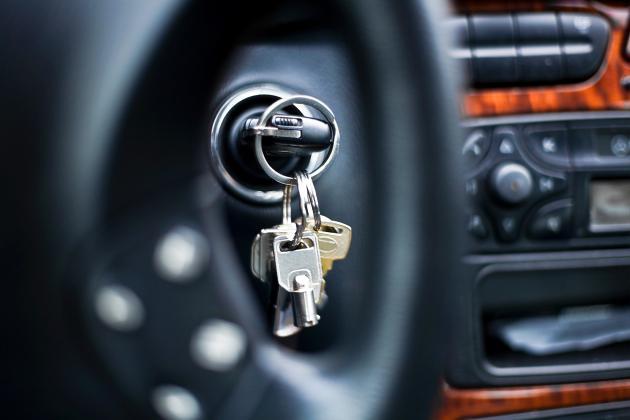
<point>512,182</point>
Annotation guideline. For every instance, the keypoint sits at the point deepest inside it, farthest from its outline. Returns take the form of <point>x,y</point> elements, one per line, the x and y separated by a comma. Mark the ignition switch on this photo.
<point>295,137</point>
<point>290,135</point>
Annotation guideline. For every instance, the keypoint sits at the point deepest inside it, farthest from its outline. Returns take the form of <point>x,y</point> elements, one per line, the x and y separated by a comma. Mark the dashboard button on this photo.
<point>505,138</point>
<point>584,43</point>
<point>612,143</point>
<point>512,182</point>
<point>620,145</point>
<point>549,145</point>
<point>506,146</point>
<point>551,184</point>
<point>472,187</point>
<point>539,58</point>
<point>494,49</point>
<point>507,228</point>
<point>552,221</point>
<point>476,147</point>
<point>477,226</point>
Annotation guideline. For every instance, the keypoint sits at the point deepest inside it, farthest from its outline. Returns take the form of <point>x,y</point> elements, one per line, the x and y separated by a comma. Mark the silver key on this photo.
<point>263,267</point>
<point>299,273</point>
<point>261,262</point>
<point>334,240</point>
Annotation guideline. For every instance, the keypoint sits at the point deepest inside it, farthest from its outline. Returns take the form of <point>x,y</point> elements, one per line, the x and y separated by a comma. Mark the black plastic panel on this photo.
<point>530,48</point>
<point>519,292</point>
<point>539,274</point>
<point>524,284</point>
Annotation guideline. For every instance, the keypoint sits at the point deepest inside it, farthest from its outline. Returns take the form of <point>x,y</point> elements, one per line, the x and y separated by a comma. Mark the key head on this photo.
<point>304,260</point>
<point>262,265</point>
<point>334,240</point>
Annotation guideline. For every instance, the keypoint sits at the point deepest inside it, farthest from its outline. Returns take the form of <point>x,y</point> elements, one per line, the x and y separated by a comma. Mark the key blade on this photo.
<point>283,322</point>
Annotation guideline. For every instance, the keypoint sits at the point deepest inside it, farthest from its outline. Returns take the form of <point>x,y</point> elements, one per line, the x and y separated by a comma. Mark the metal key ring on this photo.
<point>283,103</point>
<point>286,204</point>
<point>300,225</point>
<point>308,205</point>
<point>307,181</point>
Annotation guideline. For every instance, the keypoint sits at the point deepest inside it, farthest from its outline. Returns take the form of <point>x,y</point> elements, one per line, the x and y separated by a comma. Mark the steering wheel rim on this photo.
<point>375,370</point>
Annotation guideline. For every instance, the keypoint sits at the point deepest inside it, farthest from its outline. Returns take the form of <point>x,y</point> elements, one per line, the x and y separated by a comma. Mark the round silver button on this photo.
<point>181,255</point>
<point>119,307</point>
<point>173,402</point>
<point>218,345</point>
<point>512,182</point>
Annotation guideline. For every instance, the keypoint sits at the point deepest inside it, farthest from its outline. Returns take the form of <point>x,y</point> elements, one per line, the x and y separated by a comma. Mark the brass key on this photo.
<point>334,242</point>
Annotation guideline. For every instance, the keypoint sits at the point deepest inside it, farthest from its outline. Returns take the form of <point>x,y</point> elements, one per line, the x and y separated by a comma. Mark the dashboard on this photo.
<point>545,136</point>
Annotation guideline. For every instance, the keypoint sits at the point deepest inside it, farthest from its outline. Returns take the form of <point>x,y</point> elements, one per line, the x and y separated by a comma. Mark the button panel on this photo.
<point>530,48</point>
<point>529,178</point>
<point>506,183</point>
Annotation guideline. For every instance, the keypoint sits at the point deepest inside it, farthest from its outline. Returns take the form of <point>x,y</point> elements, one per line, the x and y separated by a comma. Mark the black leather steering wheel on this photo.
<point>110,156</point>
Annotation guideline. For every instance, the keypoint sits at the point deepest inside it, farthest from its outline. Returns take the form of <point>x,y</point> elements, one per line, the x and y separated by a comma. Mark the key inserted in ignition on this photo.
<point>291,134</point>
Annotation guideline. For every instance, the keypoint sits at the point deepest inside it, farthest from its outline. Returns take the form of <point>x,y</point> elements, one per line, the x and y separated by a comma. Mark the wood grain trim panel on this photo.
<point>603,91</point>
<point>466,403</point>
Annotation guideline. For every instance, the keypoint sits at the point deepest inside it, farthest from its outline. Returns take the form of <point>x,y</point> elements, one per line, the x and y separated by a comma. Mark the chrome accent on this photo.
<point>217,159</point>
<point>281,104</point>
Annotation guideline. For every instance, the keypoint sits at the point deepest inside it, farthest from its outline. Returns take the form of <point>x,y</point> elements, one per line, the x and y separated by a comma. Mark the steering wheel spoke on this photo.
<point>167,306</point>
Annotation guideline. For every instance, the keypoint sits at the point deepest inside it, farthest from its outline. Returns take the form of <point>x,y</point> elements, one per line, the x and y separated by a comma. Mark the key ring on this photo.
<point>283,103</point>
<point>309,206</point>
<point>305,179</point>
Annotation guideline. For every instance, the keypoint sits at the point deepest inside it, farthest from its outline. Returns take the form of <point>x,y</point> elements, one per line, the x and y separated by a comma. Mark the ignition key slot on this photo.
<point>296,138</point>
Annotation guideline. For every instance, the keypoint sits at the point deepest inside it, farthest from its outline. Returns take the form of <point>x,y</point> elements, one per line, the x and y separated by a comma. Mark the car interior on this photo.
<point>336,209</point>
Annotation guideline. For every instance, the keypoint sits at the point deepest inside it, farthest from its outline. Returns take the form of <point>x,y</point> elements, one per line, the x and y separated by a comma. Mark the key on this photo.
<point>261,261</point>
<point>283,321</point>
<point>262,248</point>
<point>334,242</point>
<point>263,267</point>
<point>295,273</point>
<point>333,237</point>
<point>299,273</point>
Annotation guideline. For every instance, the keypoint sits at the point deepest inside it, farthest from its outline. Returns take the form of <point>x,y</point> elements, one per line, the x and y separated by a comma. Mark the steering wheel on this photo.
<point>115,140</point>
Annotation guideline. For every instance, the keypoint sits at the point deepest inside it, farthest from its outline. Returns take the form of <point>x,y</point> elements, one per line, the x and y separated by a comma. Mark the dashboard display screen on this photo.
<point>610,205</point>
